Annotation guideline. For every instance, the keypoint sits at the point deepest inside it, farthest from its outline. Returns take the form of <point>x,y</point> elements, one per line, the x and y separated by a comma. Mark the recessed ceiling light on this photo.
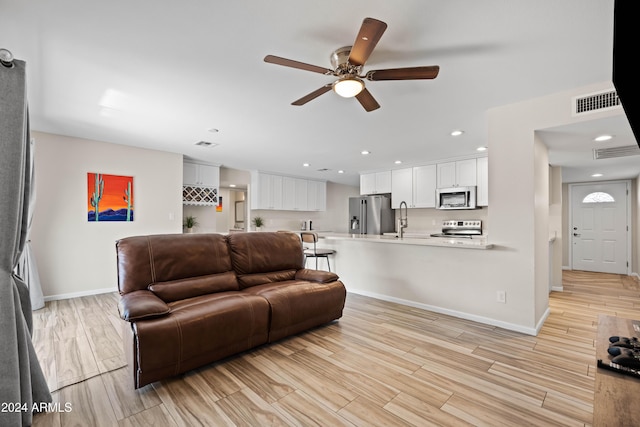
<point>602,138</point>
<point>232,185</point>
<point>341,171</point>
<point>481,148</point>
<point>365,152</point>
<point>596,175</point>
<point>397,162</point>
<point>457,133</point>
<point>306,165</point>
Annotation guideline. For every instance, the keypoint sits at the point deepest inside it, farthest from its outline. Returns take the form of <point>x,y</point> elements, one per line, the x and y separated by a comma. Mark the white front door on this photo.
<point>599,227</point>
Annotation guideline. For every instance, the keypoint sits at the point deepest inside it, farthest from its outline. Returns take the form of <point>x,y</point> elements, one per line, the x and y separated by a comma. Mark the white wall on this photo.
<point>541,231</point>
<point>517,216</point>
<point>75,256</point>
<point>556,228</point>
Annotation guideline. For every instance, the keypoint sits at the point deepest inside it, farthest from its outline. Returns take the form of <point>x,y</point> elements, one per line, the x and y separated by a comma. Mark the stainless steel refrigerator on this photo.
<point>371,215</point>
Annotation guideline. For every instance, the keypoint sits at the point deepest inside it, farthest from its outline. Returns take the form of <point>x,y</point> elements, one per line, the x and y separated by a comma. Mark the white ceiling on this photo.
<point>175,69</point>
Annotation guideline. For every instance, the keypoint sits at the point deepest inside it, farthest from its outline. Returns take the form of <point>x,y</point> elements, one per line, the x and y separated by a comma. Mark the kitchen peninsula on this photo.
<point>448,276</point>
<point>414,239</point>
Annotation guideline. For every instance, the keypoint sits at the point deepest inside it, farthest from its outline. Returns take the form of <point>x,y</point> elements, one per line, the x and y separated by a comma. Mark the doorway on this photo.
<point>599,227</point>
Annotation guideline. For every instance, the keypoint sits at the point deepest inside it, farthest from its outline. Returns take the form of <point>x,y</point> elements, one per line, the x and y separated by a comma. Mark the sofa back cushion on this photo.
<point>150,260</point>
<point>265,257</point>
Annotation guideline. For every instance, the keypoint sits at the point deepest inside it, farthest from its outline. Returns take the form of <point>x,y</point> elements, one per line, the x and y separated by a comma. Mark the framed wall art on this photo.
<point>109,197</point>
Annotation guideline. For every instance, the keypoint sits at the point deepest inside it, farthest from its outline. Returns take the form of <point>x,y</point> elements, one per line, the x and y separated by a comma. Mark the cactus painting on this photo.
<point>109,197</point>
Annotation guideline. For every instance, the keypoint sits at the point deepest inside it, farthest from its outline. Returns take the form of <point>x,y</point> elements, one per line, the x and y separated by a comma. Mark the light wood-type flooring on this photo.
<point>380,364</point>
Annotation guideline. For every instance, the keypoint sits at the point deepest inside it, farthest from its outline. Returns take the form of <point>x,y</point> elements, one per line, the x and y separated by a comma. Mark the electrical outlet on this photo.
<point>501,296</point>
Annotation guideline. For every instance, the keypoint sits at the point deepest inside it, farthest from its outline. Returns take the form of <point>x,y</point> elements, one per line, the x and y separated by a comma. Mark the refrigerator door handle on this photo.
<point>363,215</point>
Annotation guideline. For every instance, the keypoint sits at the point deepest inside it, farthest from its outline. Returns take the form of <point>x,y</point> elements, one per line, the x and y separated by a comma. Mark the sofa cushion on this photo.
<point>198,331</point>
<point>188,288</point>
<point>254,254</point>
<point>144,260</point>
<point>298,305</point>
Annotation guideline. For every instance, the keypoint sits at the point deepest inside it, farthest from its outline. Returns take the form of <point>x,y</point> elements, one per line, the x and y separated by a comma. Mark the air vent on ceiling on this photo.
<point>324,170</point>
<point>594,102</point>
<point>613,152</point>
<point>206,144</point>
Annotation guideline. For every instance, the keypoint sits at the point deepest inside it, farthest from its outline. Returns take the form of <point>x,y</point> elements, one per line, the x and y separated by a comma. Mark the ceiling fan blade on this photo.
<point>367,100</point>
<point>411,73</point>
<point>313,95</point>
<point>368,37</point>
<point>296,64</point>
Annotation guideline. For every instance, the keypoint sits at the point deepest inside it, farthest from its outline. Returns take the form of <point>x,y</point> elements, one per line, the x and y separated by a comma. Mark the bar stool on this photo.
<point>314,252</point>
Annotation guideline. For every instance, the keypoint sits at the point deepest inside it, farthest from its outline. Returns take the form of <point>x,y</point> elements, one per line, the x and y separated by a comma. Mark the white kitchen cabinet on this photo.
<point>276,192</point>
<point>294,194</point>
<point>316,195</point>
<point>197,174</point>
<point>424,186</point>
<point>416,186</point>
<point>375,183</point>
<point>482,192</point>
<point>401,187</point>
<point>267,191</point>
<point>461,173</point>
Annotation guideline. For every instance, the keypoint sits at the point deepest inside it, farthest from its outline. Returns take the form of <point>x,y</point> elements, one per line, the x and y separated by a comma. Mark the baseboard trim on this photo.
<point>636,275</point>
<point>557,288</point>
<point>566,267</point>
<point>79,294</point>
<point>467,316</point>
<point>540,324</point>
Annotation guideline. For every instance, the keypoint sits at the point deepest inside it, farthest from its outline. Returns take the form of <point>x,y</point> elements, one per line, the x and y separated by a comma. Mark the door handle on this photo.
<point>576,235</point>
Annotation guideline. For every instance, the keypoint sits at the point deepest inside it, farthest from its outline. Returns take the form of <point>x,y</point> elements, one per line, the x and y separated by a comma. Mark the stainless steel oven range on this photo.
<point>460,228</point>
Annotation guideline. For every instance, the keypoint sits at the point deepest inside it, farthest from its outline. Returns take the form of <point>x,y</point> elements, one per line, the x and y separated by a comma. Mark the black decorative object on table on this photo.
<point>625,356</point>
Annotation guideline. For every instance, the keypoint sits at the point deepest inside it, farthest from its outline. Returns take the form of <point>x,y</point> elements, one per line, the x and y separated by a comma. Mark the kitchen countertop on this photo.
<point>417,239</point>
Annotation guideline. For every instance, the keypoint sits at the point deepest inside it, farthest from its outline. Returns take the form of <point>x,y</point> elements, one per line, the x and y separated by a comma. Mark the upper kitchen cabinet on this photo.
<point>200,174</point>
<point>275,192</point>
<point>294,194</point>
<point>266,191</point>
<point>482,192</point>
<point>316,195</point>
<point>375,183</point>
<point>462,173</point>
<point>416,186</point>
<point>200,184</point>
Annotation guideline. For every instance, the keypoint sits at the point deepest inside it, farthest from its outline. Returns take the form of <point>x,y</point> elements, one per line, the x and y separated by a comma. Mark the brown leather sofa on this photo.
<point>192,299</point>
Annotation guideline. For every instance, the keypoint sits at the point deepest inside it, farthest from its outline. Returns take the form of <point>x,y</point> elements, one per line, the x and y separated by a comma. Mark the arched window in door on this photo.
<point>598,197</point>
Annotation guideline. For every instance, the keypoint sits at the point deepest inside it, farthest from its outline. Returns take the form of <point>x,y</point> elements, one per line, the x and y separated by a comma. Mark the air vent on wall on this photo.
<point>593,102</point>
<point>613,152</point>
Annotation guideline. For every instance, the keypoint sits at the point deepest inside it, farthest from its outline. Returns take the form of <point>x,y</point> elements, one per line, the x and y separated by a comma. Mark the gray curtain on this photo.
<point>21,377</point>
<point>27,269</point>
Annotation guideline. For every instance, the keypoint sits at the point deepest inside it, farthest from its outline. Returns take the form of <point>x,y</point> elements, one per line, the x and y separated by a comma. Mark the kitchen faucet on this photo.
<point>403,221</point>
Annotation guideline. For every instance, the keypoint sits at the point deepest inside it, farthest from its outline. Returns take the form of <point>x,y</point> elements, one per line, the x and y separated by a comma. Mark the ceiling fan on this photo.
<point>347,63</point>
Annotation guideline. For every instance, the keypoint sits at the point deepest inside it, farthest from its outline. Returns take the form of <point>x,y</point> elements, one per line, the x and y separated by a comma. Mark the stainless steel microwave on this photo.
<point>456,198</point>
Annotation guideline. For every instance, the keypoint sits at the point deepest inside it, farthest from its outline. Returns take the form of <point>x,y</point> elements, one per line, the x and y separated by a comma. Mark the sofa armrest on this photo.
<point>142,304</point>
<point>316,275</point>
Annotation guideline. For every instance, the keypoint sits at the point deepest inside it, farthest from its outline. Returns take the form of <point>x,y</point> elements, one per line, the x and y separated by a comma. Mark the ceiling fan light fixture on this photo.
<point>348,87</point>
